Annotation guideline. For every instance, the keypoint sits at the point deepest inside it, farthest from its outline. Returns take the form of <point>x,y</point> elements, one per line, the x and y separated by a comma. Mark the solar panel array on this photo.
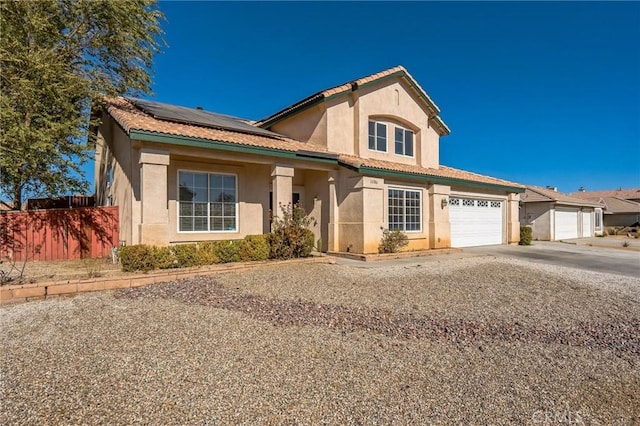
<point>198,117</point>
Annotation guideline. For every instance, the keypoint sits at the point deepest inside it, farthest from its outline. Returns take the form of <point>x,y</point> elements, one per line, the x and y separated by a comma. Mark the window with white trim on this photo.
<point>404,142</point>
<point>207,202</point>
<point>377,136</point>
<point>598,219</point>
<point>405,213</point>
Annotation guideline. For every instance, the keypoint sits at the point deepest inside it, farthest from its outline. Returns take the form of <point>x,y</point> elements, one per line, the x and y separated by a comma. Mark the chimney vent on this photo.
<point>199,108</point>
<point>553,188</point>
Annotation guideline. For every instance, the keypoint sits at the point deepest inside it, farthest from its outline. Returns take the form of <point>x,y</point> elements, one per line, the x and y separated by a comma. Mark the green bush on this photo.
<point>226,251</point>
<point>290,236</point>
<point>526,235</point>
<point>254,247</point>
<point>612,230</point>
<point>137,258</point>
<point>186,255</point>
<point>164,258</point>
<point>392,241</point>
<point>207,254</point>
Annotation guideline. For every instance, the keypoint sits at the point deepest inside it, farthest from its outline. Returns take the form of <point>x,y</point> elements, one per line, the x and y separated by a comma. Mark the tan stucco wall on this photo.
<point>307,126</point>
<point>316,203</point>
<point>253,195</point>
<point>114,150</point>
<point>341,123</point>
<point>538,215</point>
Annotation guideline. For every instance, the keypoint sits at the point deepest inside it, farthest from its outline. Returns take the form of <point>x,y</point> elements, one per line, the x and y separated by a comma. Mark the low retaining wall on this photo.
<point>46,290</point>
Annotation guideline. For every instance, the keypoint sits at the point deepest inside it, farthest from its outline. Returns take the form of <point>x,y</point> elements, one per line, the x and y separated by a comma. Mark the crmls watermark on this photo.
<point>566,416</point>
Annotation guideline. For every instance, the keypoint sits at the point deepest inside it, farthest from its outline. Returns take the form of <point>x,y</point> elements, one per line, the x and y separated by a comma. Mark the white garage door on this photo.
<point>586,224</point>
<point>475,222</point>
<point>566,224</point>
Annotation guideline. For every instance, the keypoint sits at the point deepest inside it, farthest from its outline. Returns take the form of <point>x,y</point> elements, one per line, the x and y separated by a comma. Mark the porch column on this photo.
<point>513,218</point>
<point>439,225</point>
<point>282,186</point>
<point>333,238</point>
<point>153,196</point>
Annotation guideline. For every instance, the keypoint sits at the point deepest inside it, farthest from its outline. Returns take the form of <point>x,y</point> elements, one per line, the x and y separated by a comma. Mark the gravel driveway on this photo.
<point>440,341</point>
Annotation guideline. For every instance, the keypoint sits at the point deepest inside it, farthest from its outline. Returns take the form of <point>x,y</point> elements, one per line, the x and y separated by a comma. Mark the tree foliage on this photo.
<point>56,58</point>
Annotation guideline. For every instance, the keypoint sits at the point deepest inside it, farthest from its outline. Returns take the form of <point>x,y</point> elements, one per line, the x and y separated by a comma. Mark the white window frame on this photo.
<point>597,220</point>
<point>404,142</point>
<point>376,135</point>
<point>404,221</point>
<point>208,231</point>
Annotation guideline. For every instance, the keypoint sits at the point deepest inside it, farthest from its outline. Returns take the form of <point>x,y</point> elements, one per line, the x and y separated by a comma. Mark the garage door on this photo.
<point>586,224</point>
<point>566,224</point>
<point>475,222</point>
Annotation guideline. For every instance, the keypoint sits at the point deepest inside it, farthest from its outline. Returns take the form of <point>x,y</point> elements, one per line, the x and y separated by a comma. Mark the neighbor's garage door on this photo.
<point>566,224</point>
<point>586,224</point>
<point>475,222</point>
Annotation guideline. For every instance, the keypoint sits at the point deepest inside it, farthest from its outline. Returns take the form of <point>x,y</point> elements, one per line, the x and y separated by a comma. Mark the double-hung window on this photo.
<point>405,213</point>
<point>404,142</point>
<point>207,202</point>
<point>377,136</point>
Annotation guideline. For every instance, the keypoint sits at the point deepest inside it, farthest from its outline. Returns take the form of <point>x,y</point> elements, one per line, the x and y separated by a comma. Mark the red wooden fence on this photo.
<point>58,233</point>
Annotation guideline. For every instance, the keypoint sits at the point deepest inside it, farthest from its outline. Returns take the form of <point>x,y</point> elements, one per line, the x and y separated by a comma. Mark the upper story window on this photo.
<point>377,136</point>
<point>404,142</point>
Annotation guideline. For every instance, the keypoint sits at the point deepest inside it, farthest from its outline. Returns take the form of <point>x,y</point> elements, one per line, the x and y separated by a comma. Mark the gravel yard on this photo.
<point>442,341</point>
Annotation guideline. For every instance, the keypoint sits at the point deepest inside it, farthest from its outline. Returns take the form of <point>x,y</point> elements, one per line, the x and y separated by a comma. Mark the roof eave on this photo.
<point>373,171</point>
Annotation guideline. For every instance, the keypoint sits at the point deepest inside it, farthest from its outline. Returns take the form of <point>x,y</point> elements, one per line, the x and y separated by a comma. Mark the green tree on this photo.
<point>58,59</point>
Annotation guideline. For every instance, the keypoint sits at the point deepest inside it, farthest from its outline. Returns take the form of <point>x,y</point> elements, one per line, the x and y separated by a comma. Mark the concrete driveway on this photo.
<point>598,259</point>
<point>572,255</point>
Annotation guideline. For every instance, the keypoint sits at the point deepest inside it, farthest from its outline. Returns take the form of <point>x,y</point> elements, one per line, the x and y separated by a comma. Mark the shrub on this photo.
<point>392,241</point>
<point>612,230</point>
<point>206,254</point>
<point>137,258</point>
<point>254,247</point>
<point>185,255</point>
<point>626,244</point>
<point>164,258</point>
<point>290,236</point>
<point>226,251</point>
<point>526,234</point>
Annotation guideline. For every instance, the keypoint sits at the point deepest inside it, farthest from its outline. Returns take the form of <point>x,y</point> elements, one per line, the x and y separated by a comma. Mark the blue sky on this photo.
<point>541,93</point>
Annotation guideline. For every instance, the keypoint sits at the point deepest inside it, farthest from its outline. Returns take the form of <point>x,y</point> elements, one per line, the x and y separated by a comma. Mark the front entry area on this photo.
<point>475,222</point>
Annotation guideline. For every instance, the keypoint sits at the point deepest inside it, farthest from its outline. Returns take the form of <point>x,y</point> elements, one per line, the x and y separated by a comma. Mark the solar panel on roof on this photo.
<point>198,117</point>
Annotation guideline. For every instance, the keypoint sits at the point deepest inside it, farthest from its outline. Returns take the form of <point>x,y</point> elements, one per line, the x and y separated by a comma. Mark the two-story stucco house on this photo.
<point>360,158</point>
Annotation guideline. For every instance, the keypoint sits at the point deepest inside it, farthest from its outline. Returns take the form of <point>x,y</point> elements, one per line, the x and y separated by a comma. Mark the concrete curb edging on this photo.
<point>20,293</point>
<point>391,256</point>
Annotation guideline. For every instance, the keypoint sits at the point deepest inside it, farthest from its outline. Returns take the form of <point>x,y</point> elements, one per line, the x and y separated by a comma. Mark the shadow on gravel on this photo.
<point>622,337</point>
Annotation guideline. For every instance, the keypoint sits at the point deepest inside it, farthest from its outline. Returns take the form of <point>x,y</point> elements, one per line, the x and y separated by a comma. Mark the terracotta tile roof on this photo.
<point>351,85</point>
<point>625,194</point>
<point>534,194</point>
<point>442,171</point>
<point>131,118</point>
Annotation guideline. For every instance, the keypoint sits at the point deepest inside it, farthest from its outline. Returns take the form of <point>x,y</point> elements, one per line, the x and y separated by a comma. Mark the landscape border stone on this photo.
<point>20,293</point>
<point>391,256</point>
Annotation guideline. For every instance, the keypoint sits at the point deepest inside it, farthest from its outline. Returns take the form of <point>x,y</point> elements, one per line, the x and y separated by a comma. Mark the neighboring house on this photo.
<point>631,194</point>
<point>360,158</point>
<point>557,216</point>
<point>622,206</point>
